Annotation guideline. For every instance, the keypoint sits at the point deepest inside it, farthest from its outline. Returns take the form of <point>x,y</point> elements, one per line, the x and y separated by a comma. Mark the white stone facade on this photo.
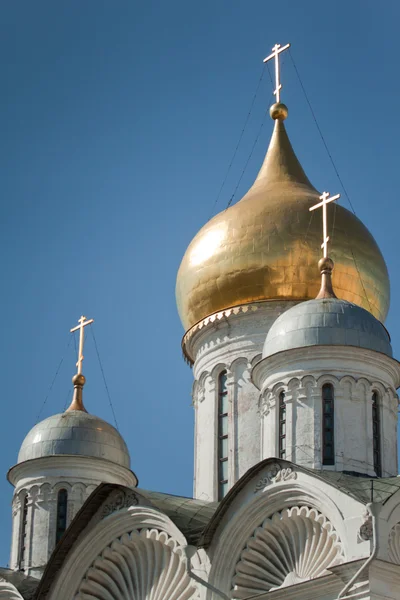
<point>284,533</point>
<point>230,341</point>
<point>355,374</point>
<point>39,481</point>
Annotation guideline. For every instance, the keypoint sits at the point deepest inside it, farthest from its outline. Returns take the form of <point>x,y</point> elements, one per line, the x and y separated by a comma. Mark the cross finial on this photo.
<point>82,324</point>
<point>276,50</point>
<point>325,199</point>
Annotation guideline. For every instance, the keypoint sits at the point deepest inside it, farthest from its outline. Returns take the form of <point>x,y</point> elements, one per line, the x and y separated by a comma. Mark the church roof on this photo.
<point>327,321</point>
<point>363,489</point>
<point>191,516</point>
<point>75,432</point>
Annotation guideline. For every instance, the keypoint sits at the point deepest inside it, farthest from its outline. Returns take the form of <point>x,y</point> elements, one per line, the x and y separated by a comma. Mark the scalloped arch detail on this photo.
<point>291,546</point>
<point>8,591</point>
<point>394,544</point>
<point>141,565</point>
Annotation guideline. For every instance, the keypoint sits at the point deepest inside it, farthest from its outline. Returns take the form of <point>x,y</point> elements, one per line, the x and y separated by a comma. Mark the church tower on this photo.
<point>295,426</point>
<point>61,462</point>
<point>240,274</point>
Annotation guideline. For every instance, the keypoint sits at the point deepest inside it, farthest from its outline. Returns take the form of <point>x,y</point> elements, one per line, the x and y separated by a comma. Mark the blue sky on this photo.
<point>118,122</point>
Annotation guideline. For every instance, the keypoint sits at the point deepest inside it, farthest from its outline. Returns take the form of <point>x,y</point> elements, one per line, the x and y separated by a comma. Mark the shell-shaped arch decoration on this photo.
<point>291,546</point>
<point>394,544</point>
<point>141,565</point>
<point>8,591</point>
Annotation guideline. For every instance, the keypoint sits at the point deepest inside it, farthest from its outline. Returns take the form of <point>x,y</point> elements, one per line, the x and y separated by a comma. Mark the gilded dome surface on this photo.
<point>265,247</point>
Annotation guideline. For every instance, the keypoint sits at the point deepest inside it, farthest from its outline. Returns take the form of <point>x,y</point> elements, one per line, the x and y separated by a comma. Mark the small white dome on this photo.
<point>326,322</point>
<point>75,432</point>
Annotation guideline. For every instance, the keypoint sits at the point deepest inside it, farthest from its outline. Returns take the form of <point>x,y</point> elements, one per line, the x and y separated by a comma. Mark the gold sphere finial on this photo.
<point>278,111</point>
<point>79,380</point>
<point>326,264</point>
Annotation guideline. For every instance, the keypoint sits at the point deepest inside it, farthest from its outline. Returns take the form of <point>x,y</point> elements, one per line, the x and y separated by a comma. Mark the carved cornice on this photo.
<point>117,501</point>
<point>275,475</point>
<point>363,360</point>
<point>8,591</point>
<point>214,318</point>
<point>49,466</point>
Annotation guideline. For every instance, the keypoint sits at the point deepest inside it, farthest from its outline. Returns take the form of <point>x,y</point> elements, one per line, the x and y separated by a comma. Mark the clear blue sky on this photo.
<point>118,121</point>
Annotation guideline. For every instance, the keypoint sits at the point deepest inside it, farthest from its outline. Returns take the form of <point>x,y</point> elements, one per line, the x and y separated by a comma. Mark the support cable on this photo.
<point>246,164</point>
<point>104,378</point>
<point>240,139</point>
<point>53,381</point>
<point>67,399</point>
<point>321,134</point>
<point>337,175</point>
<point>251,151</point>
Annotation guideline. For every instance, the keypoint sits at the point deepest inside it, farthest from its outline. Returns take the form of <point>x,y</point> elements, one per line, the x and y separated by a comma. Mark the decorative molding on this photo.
<point>365,532</point>
<point>384,368</point>
<point>274,475</point>
<point>141,565</point>
<point>117,501</point>
<point>266,402</point>
<point>291,546</point>
<point>8,591</point>
<point>394,544</point>
<point>216,317</point>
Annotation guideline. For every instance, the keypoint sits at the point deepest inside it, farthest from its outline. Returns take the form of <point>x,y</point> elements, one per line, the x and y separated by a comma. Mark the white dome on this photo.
<point>327,321</point>
<point>75,432</point>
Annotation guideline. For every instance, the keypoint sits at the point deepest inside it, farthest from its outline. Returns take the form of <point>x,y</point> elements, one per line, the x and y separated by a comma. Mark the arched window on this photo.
<point>24,532</point>
<point>376,434</point>
<point>62,502</point>
<point>328,425</point>
<point>282,425</point>
<point>222,435</point>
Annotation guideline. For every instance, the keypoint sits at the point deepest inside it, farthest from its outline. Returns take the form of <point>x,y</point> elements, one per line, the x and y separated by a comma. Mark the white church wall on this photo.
<point>355,374</point>
<point>205,437</point>
<point>231,340</point>
<point>41,480</point>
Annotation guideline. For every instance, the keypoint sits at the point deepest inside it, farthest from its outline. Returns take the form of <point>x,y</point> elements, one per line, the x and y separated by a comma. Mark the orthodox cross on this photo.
<point>276,50</point>
<point>82,324</point>
<point>325,200</point>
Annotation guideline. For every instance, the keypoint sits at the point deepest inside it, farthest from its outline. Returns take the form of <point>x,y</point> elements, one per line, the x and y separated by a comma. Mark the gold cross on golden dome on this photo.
<point>324,201</point>
<point>276,50</point>
<point>82,324</point>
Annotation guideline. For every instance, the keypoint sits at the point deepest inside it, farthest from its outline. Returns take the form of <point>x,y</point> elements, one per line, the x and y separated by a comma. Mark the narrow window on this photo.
<point>282,425</point>
<point>328,441</point>
<point>62,501</point>
<point>222,436</point>
<point>376,434</point>
<point>24,530</point>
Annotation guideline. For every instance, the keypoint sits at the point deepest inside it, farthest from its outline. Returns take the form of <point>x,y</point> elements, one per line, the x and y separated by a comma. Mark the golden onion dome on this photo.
<point>267,246</point>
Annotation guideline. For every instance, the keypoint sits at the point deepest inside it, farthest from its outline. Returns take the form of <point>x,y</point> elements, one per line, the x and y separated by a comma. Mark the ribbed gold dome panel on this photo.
<point>264,247</point>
